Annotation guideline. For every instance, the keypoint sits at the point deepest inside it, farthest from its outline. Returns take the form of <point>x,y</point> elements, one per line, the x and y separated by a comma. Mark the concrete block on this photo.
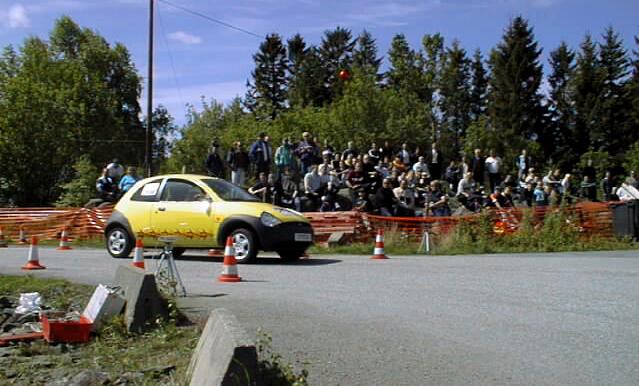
<point>336,238</point>
<point>144,305</point>
<point>224,355</point>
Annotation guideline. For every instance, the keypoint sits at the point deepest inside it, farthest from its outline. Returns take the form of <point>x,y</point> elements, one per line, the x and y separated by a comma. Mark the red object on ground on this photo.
<point>229,272</point>
<point>5,340</point>
<point>66,331</point>
<point>138,254</point>
<point>64,241</point>
<point>215,253</point>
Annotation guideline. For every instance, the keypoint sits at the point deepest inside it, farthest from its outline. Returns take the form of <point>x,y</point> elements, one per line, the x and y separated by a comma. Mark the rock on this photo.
<point>129,378</point>
<point>157,371</point>
<point>89,378</point>
<point>144,305</point>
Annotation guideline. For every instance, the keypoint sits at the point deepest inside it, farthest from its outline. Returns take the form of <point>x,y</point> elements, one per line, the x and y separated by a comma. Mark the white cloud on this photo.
<point>17,17</point>
<point>185,38</point>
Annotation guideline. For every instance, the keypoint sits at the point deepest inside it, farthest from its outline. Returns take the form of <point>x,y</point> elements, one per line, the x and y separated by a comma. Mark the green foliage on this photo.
<point>632,158</point>
<point>81,188</point>
<point>76,95</point>
<point>268,90</point>
<point>273,369</point>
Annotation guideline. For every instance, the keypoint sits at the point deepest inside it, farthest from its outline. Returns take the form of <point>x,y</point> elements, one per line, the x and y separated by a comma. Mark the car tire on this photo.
<point>245,245</point>
<point>178,252</point>
<point>291,254</point>
<point>119,243</point>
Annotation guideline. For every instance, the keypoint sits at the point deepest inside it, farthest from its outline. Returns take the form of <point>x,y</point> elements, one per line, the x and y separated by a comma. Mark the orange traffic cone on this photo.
<point>138,254</point>
<point>229,272</point>
<point>378,252</point>
<point>34,260</point>
<point>22,239</point>
<point>64,241</point>
<point>3,241</point>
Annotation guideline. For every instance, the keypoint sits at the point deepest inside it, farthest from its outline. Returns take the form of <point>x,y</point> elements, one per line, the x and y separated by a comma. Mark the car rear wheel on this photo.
<point>119,242</point>
<point>291,254</point>
<point>245,246</point>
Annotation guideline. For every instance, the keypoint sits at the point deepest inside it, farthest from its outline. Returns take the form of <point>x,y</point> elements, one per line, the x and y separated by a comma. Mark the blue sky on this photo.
<point>195,57</point>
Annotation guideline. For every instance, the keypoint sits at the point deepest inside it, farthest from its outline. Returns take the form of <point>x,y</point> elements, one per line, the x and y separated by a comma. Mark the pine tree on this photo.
<point>556,140</point>
<point>336,53</point>
<point>479,86</point>
<point>614,70</point>
<point>297,52</point>
<point>455,92</point>
<point>365,55</point>
<point>406,69</point>
<point>588,83</point>
<point>632,96</point>
<point>269,78</point>
<point>515,102</point>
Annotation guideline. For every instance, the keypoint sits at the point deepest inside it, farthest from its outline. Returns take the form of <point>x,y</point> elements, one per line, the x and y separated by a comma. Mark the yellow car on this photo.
<point>200,212</point>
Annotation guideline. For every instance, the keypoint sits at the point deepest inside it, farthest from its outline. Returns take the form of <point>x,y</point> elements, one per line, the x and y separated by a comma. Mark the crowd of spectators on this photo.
<point>402,181</point>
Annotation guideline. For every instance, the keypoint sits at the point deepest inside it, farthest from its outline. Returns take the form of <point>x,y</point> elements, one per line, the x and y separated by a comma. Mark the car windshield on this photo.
<point>229,192</point>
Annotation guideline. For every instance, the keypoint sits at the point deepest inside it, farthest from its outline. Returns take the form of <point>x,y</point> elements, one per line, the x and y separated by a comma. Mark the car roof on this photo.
<point>185,176</point>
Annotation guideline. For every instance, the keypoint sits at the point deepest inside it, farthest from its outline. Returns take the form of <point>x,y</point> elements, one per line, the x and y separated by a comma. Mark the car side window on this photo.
<point>147,192</point>
<point>181,190</point>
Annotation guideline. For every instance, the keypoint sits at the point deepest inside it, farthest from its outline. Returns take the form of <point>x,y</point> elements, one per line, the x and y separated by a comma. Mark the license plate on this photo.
<point>303,237</point>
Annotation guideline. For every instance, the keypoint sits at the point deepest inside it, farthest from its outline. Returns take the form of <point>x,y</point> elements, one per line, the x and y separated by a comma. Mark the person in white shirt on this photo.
<point>421,167</point>
<point>493,166</point>
<point>627,192</point>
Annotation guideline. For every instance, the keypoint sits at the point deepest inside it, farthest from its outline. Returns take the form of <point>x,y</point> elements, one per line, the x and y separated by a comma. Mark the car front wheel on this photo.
<point>245,246</point>
<point>119,242</point>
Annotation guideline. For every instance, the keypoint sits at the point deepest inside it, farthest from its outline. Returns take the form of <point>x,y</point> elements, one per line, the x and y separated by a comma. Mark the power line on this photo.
<point>168,49</point>
<point>211,19</point>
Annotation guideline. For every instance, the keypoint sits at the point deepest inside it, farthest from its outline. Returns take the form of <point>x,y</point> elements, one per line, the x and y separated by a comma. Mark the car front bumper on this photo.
<point>288,235</point>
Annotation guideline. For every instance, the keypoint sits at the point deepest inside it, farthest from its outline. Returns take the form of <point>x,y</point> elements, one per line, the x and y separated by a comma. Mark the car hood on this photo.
<point>256,209</point>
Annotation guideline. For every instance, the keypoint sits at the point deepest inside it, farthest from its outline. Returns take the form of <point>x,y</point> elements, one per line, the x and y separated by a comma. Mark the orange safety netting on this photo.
<point>590,218</point>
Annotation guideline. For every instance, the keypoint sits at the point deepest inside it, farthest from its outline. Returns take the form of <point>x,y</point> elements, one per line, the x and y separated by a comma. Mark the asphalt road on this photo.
<point>530,319</point>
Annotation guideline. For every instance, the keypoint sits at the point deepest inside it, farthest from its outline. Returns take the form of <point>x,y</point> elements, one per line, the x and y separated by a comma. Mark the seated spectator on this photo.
<point>106,187</point>
<point>313,187</point>
<point>329,199</point>
<point>398,165</point>
<point>438,201</point>
<point>465,188</point>
<point>452,175</point>
<point>527,195</point>
<point>508,195</point>
<point>421,167</point>
<point>129,179</point>
<point>261,189</point>
<point>405,200</point>
<point>288,192</point>
<point>362,202</point>
<point>115,170</point>
<point>627,192</point>
<point>383,168</point>
<point>499,200</point>
<point>385,199</point>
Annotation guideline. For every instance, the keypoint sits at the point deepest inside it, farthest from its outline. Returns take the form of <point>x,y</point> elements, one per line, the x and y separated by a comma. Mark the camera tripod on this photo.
<point>166,273</point>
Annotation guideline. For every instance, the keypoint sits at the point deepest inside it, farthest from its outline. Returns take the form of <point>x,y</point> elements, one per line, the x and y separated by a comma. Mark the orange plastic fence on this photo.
<point>590,218</point>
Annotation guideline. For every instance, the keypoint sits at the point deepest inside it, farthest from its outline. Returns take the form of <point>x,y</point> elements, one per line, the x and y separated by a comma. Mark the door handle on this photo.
<point>161,209</point>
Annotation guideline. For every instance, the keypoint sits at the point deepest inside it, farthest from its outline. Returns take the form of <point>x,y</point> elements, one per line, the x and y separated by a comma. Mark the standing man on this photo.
<point>477,167</point>
<point>238,160</point>
<point>523,163</point>
<point>434,162</point>
<point>493,166</point>
<point>405,155</point>
<point>306,152</point>
<point>261,155</point>
<point>284,156</point>
<point>214,165</point>
<point>350,151</point>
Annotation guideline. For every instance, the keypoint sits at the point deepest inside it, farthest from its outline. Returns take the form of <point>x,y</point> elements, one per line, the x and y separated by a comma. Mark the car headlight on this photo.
<point>288,212</point>
<point>269,220</point>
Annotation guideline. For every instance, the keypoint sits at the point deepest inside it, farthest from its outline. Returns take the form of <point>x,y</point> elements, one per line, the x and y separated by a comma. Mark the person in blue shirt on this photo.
<point>129,179</point>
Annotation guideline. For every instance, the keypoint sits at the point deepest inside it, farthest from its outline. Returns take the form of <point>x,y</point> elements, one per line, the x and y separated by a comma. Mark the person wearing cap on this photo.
<point>129,179</point>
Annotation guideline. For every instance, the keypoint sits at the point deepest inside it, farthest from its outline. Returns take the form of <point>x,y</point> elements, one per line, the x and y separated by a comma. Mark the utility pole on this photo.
<point>148,156</point>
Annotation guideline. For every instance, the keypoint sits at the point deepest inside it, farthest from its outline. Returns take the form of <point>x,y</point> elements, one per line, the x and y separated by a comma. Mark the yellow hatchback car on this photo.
<point>200,212</point>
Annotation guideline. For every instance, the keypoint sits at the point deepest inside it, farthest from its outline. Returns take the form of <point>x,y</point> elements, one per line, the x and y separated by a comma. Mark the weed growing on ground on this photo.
<point>273,369</point>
